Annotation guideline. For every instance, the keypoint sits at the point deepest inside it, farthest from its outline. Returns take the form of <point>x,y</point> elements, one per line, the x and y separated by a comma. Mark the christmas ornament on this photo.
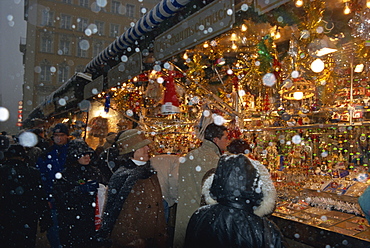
<point>170,101</point>
<point>107,103</point>
<point>360,24</point>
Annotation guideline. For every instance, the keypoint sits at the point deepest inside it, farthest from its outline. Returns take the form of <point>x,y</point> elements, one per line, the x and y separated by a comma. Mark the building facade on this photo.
<point>64,35</point>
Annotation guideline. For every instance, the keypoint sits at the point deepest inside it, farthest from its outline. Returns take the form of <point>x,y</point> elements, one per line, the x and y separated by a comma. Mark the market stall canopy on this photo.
<point>64,98</point>
<point>153,18</point>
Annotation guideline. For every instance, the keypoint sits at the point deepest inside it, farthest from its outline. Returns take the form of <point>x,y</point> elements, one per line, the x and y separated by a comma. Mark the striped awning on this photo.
<point>153,18</point>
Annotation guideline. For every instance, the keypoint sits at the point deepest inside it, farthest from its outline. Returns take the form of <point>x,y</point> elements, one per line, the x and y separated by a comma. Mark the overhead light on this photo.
<point>244,28</point>
<point>299,3</point>
<point>347,10</point>
<point>233,37</point>
<point>298,95</point>
<point>317,65</point>
<point>359,68</point>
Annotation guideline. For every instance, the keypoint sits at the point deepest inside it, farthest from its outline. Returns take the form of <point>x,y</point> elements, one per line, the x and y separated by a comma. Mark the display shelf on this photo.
<point>320,228</point>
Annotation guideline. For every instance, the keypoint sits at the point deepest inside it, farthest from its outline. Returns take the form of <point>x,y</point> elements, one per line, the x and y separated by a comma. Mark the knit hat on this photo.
<point>77,149</point>
<point>60,128</point>
<point>131,140</point>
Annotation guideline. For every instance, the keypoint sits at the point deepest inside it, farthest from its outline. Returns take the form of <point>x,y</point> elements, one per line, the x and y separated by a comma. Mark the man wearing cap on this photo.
<point>133,215</point>
<point>50,163</point>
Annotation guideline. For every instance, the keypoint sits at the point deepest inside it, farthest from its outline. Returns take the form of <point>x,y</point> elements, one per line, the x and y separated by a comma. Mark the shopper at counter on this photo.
<point>191,172</point>
<point>231,222</point>
<point>134,213</point>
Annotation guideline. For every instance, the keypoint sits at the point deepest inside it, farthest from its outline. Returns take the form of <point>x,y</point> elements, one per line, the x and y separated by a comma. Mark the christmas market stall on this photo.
<point>293,81</point>
<point>290,77</point>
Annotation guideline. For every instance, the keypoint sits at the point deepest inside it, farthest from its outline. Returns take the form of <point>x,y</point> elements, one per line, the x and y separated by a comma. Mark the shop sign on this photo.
<point>93,88</point>
<point>127,69</point>
<point>263,6</point>
<point>210,21</point>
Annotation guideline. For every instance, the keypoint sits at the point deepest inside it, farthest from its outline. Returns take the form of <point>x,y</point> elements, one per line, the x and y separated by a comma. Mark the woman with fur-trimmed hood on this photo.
<point>267,205</point>
<point>240,191</point>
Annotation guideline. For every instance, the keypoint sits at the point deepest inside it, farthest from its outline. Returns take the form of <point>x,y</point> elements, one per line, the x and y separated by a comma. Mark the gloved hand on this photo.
<point>89,186</point>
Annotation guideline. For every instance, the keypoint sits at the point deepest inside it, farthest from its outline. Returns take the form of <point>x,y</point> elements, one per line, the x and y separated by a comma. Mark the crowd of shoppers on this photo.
<point>151,202</point>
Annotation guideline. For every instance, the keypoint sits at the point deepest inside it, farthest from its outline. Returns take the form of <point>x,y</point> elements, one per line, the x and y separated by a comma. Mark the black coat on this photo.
<point>22,204</point>
<point>107,163</point>
<point>231,222</point>
<point>76,206</point>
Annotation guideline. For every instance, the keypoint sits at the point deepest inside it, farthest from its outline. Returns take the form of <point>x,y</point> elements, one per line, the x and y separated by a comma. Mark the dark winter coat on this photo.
<point>75,198</point>
<point>107,163</point>
<point>231,222</point>
<point>22,204</point>
<point>50,163</point>
<point>133,215</point>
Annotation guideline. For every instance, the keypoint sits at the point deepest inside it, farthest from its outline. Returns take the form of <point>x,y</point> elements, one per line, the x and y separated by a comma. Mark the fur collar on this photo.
<point>268,189</point>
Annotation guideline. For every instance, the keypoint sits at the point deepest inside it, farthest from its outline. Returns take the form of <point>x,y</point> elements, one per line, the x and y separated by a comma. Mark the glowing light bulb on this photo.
<point>368,4</point>
<point>205,45</point>
<point>299,3</point>
<point>185,56</point>
<point>298,95</point>
<point>317,65</point>
<point>234,46</point>
<point>277,35</point>
<point>233,37</point>
<point>347,10</point>
<point>244,28</point>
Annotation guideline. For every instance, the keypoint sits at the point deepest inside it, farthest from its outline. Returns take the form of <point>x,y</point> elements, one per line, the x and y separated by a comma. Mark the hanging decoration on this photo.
<point>170,100</point>
<point>360,24</point>
<point>107,103</point>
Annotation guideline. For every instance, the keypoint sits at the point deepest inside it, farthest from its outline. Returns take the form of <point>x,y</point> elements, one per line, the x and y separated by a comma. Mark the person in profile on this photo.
<point>197,163</point>
<point>231,221</point>
<point>134,213</point>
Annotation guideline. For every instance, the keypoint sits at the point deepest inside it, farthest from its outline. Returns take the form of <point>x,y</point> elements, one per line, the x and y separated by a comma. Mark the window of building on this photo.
<point>46,44</point>
<point>67,1</point>
<point>84,3</point>
<point>97,48</point>
<point>115,6</point>
<point>63,73</point>
<point>64,46</point>
<point>114,30</point>
<point>130,10</point>
<point>65,21</point>
<point>45,73</point>
<point>47,18</point>
<point>81,52</point>
<point>82,24</point>
<point>100,27</point>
